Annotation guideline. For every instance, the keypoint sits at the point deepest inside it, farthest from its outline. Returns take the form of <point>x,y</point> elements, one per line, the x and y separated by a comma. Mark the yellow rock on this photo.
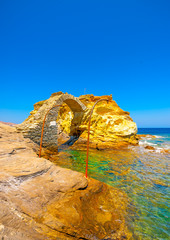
<point>111,127</point>
<point>42,201</point>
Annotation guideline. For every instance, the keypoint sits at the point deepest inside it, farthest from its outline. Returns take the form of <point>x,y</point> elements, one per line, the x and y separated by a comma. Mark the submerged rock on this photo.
<point>42,201</point>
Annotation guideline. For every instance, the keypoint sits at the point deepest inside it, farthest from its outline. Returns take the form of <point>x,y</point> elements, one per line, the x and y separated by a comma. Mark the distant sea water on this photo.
<point>142,174</point>
<point>154,131</point>
<point>162,139</point>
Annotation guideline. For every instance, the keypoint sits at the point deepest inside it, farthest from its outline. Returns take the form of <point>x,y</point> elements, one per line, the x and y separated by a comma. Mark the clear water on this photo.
<point>143,175</point>
<point>162,139</point>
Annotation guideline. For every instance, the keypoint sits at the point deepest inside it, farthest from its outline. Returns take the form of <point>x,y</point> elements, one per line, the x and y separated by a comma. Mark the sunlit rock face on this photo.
<point>32,126</point>
<point>40,200</point>
<point>111,127</point>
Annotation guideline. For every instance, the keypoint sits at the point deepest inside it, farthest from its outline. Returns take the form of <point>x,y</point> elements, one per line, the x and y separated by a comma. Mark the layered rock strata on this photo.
<point>111,127</point>
<point>42,201</point>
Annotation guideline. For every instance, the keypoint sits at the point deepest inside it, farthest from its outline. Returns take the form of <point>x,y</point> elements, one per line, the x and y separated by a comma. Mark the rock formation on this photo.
<point>110,126</point>
<point>42,201</point>
<point>31,127</point>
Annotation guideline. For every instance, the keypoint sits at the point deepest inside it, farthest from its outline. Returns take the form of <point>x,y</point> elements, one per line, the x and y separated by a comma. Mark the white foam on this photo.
<point>147,143</point>
<point>146,137</point>
<point>158,136</point>
<point>167,147</point>
<point>158,150</point>
<point>151,144</point>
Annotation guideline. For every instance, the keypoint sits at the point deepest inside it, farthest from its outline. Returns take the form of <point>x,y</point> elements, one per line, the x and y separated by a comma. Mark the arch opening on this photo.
<point>52,139</point>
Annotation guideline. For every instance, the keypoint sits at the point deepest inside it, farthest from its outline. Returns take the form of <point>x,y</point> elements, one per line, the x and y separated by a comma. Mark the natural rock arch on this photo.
<point>51,131</point>
<point>32,126</point>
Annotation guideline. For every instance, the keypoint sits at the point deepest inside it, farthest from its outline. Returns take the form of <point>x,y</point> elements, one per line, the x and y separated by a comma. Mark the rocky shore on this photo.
<point>111,127</point>
<point>40,200</point>
<point>143,138</point>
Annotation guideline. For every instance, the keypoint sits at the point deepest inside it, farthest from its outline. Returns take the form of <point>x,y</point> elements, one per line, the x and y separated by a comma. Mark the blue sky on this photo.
<point>97,47</point>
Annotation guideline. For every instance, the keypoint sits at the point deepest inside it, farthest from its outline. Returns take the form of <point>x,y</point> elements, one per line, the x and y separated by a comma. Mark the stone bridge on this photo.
<point>32,126</point>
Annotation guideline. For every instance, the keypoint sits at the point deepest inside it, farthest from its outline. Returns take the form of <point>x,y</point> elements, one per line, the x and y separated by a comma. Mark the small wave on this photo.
<point>151,144</point>
<point>166,146</point>
<point>154,147</point>
<point>157,136</point>
<point>141,143</point>
<point>147,143</point>
<point>158,150</point>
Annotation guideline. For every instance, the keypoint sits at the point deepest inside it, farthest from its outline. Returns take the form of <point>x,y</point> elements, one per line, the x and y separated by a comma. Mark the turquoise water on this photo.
<point>162,139</point>
<point>142,174</point>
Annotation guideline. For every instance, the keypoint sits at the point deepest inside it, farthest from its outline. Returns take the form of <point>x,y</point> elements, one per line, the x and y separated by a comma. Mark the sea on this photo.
<point>140,172</point>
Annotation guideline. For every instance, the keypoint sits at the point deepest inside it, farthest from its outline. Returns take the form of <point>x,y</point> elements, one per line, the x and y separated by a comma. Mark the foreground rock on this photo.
<point>42,201</point>
<point>111,127</point>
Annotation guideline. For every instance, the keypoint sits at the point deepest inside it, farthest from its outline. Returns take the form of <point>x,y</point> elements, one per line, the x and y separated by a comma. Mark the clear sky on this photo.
<point>116,47</point>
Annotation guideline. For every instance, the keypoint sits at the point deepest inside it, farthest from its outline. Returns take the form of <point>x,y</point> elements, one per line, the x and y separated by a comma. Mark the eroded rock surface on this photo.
<point>42,201</point>
<point>111,127</point>
<point>32,126</point>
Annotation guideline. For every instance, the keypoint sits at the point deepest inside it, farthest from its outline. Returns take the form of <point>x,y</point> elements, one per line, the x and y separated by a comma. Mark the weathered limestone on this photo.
<point>32,126</point>
<point>111,127</point>
<point>41,201</point>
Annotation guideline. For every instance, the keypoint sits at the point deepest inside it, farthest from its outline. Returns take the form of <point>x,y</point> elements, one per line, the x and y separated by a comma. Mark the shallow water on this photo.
<point>162,139</point>
<point>143,175</point>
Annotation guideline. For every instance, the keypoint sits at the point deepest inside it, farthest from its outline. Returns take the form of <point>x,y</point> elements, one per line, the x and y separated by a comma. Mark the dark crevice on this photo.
<point>32,175</point>
<point>67,234</point>
<point>12,152</point>
<point>71,141</point>
<point>16,181</point>
<point>54,229</point>
<point>83,188</point>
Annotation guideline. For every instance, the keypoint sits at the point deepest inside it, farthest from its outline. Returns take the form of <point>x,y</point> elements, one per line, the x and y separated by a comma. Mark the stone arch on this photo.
<point>51,128</point>
<point>32,126</point>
